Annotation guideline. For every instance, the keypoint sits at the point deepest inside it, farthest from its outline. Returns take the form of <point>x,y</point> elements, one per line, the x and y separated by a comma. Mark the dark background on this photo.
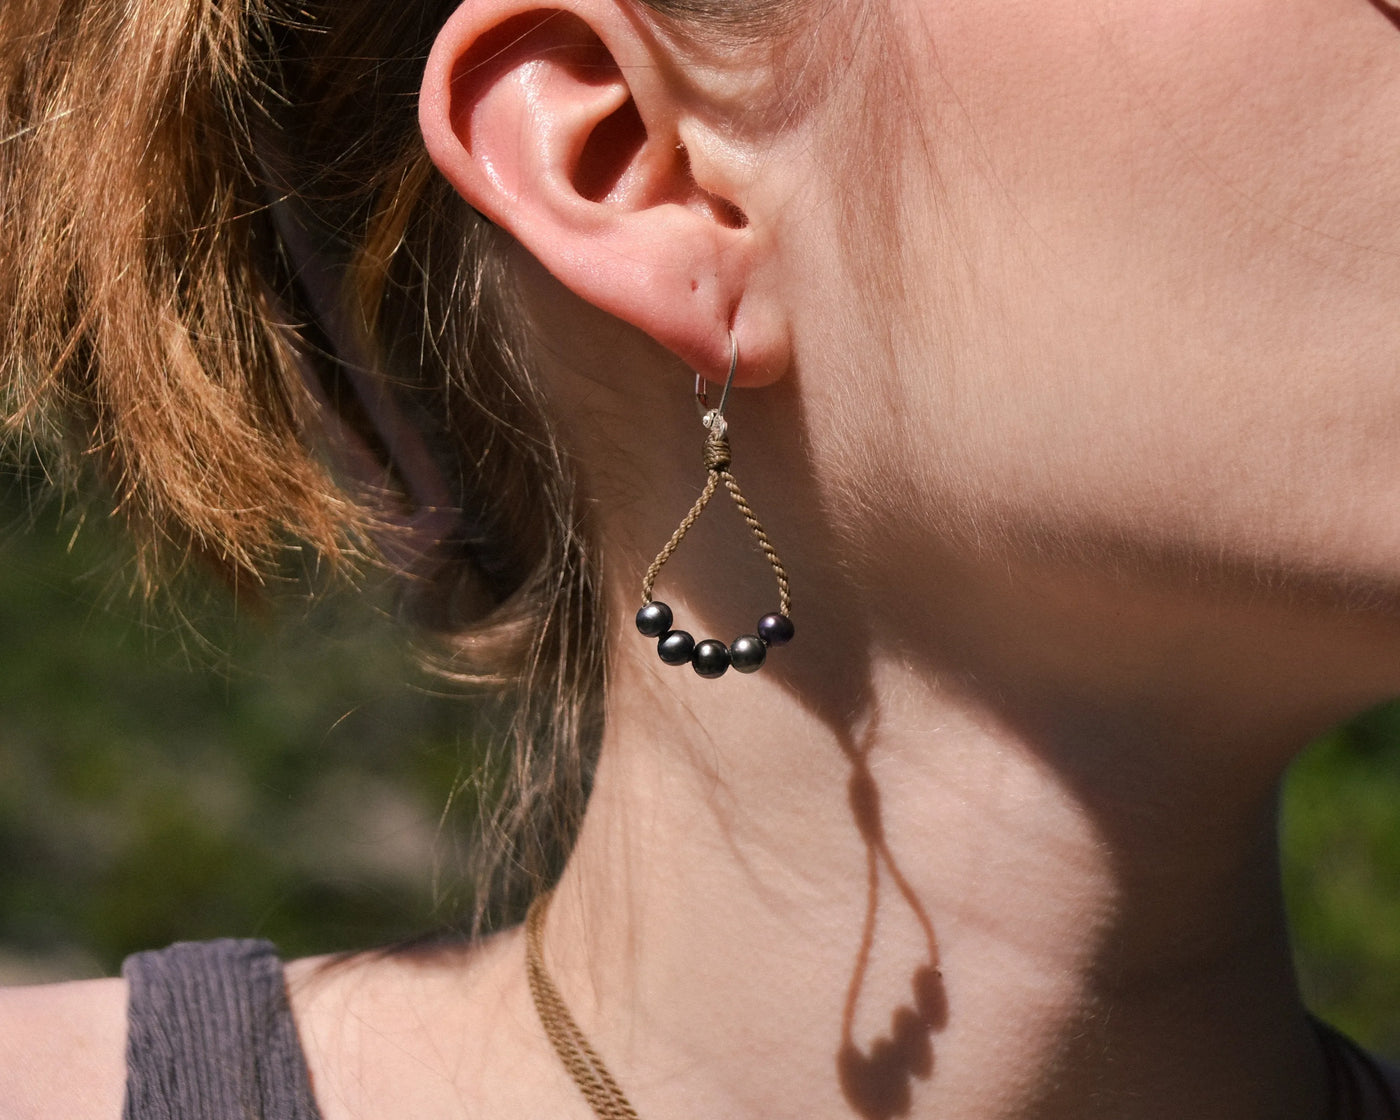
<point>281,769</point>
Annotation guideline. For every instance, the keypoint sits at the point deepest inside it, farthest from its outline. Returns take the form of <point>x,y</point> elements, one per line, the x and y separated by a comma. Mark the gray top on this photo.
<point>210,1036</point>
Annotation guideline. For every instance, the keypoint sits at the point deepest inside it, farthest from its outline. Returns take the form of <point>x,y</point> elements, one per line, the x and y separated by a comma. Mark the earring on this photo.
<point>711,658</point>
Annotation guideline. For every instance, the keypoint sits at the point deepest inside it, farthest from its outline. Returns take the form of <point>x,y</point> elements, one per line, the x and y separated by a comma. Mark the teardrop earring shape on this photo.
<point>747,653</point>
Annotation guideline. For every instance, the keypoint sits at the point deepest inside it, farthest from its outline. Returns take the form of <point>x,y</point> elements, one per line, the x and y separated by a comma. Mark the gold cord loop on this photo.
<point>748,652</point>
<point>717,461</point>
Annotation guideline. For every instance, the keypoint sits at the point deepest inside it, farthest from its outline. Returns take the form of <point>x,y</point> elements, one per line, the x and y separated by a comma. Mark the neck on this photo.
<point>910,899</point>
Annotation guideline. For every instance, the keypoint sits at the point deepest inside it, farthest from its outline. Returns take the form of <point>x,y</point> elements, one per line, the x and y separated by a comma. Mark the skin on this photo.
<point>1067,391</point>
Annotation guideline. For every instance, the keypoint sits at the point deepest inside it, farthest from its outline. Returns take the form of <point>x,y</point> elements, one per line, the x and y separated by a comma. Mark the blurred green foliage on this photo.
<point>1341,845</point>
<point>277,771</point>
<point>283,773</point>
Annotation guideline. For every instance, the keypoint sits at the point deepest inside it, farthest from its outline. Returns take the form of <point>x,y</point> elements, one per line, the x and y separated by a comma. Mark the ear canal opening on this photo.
<point>720,209</point>
<point>730,215</point>
<point>612,168</point>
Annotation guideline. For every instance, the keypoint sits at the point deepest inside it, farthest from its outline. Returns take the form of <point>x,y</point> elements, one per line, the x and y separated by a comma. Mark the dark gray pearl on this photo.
<point>710,659</point>
<point>776,629</point>
<point>747,654</point>
<point>654,619</point>
<point>676,647</point>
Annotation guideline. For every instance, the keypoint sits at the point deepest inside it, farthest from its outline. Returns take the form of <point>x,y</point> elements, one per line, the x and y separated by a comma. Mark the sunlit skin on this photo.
<point>1069,391</point>
<point>1150,285</point>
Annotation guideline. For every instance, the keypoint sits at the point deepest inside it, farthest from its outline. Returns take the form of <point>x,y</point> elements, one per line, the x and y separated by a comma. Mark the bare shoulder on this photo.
<point>401,1033</point>
<point>63,1051</point>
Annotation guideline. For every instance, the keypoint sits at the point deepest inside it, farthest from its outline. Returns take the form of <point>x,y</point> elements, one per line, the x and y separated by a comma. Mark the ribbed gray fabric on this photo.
<point>210,1036</point>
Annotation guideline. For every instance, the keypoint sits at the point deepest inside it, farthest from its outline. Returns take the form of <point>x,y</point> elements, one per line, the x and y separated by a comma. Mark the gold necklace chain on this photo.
<point>1341,1056</point>
<point>579,1058</point>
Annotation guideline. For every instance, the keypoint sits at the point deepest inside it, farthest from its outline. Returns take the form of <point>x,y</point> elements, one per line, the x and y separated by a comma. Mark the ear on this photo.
<point>563,126</point>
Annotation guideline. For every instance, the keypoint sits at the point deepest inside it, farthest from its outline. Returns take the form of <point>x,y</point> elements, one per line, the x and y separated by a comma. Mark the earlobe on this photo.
<point>558,125</point>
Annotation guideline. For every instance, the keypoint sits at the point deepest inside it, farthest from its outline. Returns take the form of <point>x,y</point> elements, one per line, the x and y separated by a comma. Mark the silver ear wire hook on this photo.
<point>709,415</point>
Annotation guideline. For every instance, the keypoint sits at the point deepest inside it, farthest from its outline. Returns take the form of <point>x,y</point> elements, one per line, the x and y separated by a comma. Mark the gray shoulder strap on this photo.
<point>210,1036</point>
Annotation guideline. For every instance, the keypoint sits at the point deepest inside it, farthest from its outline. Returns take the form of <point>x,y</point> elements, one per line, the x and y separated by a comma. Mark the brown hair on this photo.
<point>223,246</point>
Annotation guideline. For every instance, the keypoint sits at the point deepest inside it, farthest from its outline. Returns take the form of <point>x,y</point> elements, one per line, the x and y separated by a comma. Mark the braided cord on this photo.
<point>717,460</point>
<point>761,536</point>
<point>687,523</point>
<point>581,1061</point>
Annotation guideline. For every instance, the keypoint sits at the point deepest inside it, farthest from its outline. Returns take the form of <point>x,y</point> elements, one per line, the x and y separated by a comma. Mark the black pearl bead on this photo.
<point>654,619</point>
<point>676,647</point>
<point>747,654</point>
<point>710,659</point>
<point>776,629</point>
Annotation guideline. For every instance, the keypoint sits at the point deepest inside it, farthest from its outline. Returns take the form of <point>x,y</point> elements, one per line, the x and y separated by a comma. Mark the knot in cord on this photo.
<point>717,456</point>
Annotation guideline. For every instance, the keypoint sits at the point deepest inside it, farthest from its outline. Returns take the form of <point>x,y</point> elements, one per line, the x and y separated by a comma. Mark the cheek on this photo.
<point>1151,265</point>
